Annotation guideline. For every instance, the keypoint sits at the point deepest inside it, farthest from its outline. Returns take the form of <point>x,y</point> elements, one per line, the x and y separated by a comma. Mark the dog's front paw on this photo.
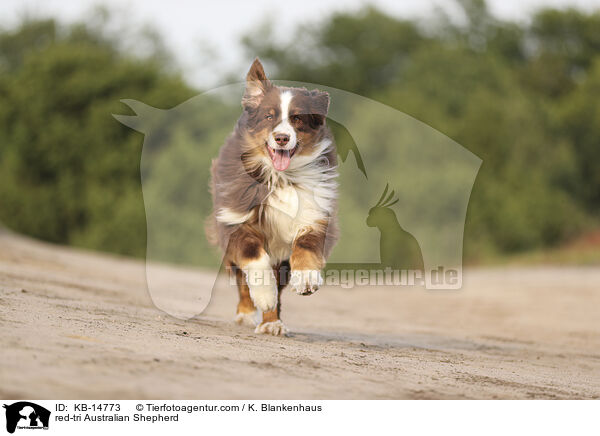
<point>306,281</point>
<point>275,328</point>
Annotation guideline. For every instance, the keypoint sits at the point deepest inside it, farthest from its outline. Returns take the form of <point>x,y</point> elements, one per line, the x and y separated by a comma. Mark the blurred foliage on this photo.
<point>69,172</point>
<point>523,97</point>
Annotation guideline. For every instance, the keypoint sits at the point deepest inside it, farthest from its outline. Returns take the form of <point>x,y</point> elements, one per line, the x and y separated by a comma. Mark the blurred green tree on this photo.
<point>69,172</point>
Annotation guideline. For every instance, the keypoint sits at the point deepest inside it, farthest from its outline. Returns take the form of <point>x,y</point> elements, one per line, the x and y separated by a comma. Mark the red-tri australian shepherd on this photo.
<point>274,196</point>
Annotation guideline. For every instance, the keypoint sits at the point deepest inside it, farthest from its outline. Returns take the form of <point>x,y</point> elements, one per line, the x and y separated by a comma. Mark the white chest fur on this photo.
<point>299,197</point>
<point>289,211</point>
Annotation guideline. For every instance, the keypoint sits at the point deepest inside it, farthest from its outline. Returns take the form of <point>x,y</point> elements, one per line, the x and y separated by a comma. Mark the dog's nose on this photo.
<point>282,139</point>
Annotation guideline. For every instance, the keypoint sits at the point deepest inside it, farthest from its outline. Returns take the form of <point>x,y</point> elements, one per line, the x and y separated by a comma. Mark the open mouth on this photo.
<point>281,158</point>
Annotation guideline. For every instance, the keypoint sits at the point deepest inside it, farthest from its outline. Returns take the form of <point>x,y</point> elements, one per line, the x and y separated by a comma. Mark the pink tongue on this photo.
<point>281,159</point>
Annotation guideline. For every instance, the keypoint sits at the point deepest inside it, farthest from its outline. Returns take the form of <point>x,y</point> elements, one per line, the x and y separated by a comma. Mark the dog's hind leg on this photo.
<point>271,322</point>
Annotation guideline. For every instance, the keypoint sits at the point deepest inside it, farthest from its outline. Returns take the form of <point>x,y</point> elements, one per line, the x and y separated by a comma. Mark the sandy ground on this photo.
<point>81,325</point>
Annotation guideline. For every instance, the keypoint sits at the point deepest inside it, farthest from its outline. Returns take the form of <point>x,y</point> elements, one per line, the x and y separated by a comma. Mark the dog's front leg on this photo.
<point>246,250</point>
<point>307,261</point>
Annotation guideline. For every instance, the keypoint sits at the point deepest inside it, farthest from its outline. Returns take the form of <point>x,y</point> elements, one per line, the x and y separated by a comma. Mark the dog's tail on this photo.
<point>210,228</point>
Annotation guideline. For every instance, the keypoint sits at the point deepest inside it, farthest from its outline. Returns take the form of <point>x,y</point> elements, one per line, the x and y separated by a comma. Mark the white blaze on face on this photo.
<point>284,126</point>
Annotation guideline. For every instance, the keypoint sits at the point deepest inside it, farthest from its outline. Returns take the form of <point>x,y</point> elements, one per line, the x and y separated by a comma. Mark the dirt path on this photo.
<point>81,325</point>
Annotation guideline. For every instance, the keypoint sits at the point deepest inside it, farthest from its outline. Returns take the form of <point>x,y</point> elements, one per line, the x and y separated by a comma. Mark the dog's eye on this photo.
<point>296,118</point>
<point>268,117</point>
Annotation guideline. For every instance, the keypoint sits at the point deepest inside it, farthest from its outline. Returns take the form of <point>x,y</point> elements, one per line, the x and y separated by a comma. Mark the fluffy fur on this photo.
<point>274,197</point>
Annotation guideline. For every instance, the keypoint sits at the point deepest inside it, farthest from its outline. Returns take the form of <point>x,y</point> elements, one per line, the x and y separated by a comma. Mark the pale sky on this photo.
<point>186,24</point>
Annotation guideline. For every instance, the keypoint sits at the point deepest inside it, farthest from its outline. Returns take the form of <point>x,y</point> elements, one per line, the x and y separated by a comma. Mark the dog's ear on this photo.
<point>257,85</point>
<point>319,107</point>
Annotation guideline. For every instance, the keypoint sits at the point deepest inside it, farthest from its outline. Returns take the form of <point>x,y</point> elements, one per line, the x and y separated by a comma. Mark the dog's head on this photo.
<point>279,123</point>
